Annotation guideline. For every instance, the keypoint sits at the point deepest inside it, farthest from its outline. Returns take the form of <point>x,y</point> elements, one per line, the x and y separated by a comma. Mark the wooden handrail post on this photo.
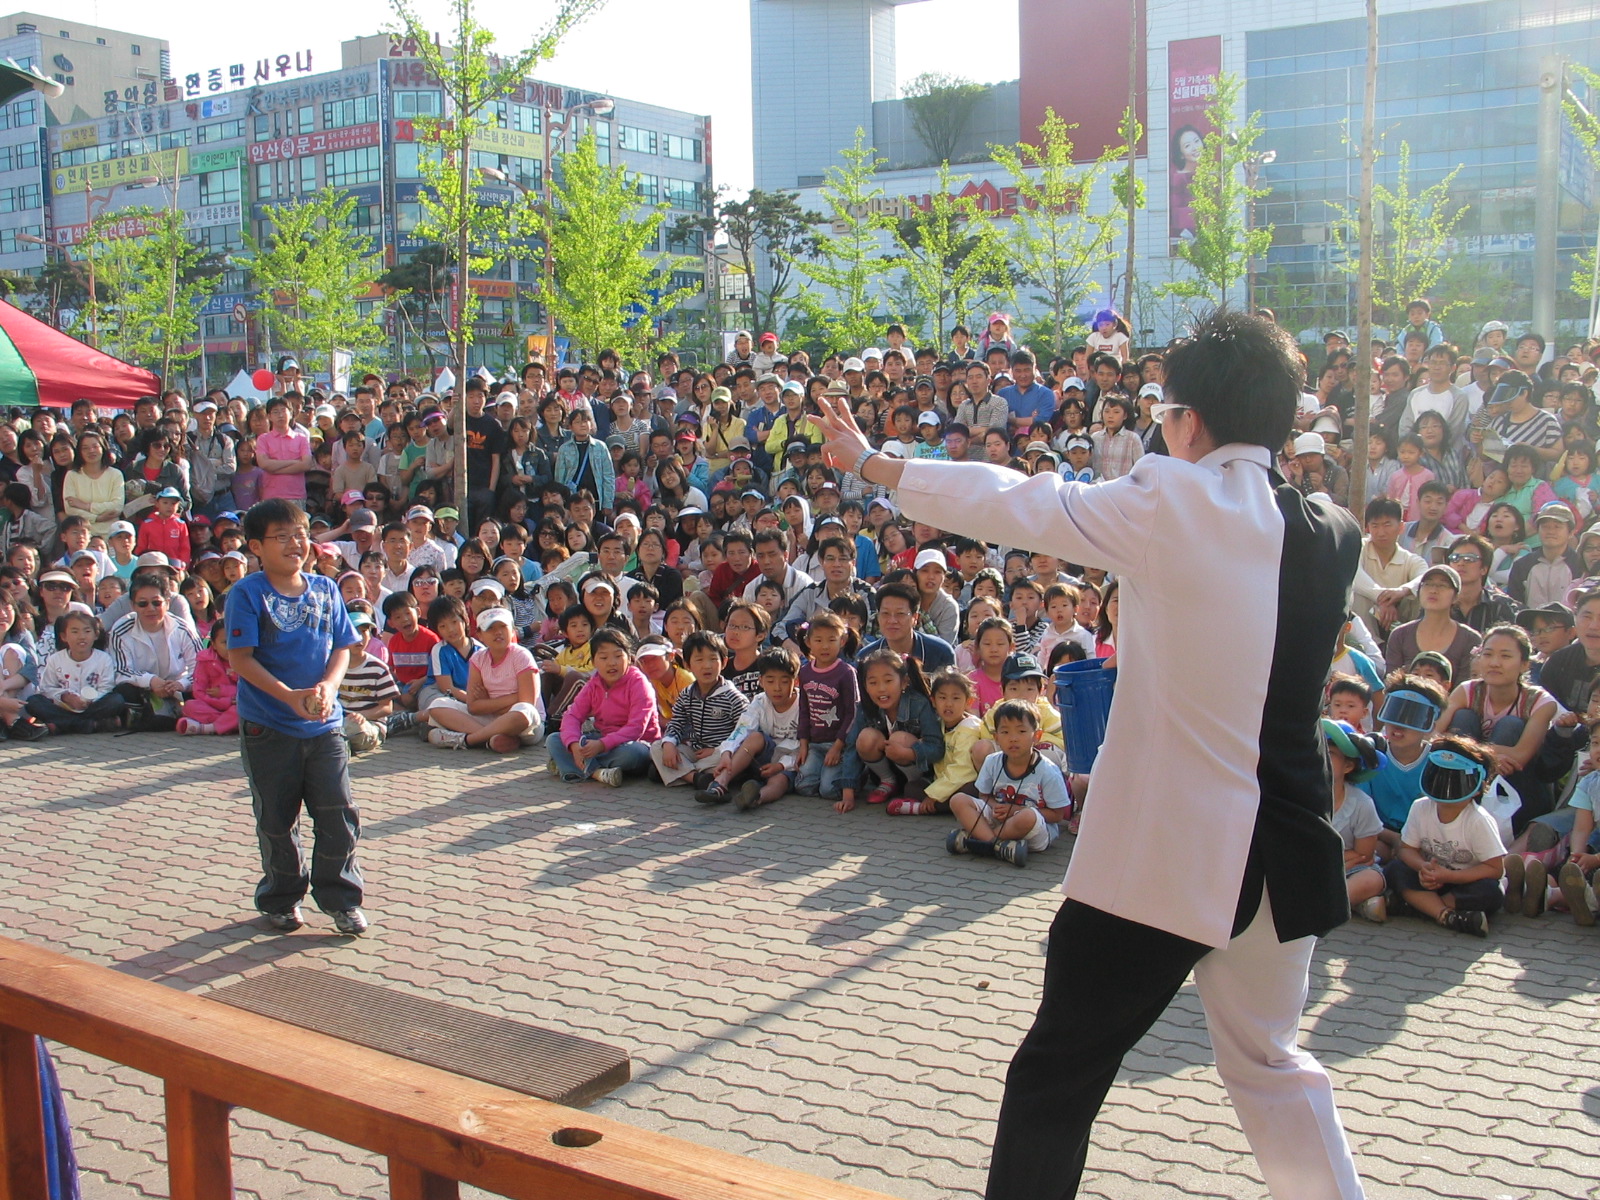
<point>199,1158</point>
<point>407,1181</point>
<point>23,1175</point>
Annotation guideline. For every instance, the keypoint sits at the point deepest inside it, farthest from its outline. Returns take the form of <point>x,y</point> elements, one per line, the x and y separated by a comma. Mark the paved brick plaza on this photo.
<point>791,984</point>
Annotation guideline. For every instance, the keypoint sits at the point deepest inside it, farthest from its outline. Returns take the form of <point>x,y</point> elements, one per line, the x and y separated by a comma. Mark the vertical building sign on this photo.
<point>1192,69</point>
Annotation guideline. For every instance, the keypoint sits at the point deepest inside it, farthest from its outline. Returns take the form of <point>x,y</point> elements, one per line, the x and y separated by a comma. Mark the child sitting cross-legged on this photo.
<point>608,728</point>
<point>896,737</point>
<point>215,705</point>
<point>503,709</point>
<point>1451,857</point>
<point>367,691</point>
<point>1022,796</point>
<point>1354,759</point>
<point>763,753</point>
<point>76,684</point>
<point>953,693</point>
<point>705,715</point>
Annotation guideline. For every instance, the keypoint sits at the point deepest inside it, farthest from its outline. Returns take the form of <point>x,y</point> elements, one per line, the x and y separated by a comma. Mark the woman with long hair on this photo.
<point>93,489</point>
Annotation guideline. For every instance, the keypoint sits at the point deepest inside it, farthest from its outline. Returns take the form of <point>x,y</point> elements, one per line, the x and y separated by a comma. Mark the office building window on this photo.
<point>220,131</point>
<point>649,188</point>
<point>418,104</point>
<point>682,193</point>
<point>356,110</point>
<point>19,115</point>
<point>20,199</point>
<point>10,245</point>
<point>636,141</point>
<point>525,118</point>
<point>684,148</point>
<point>219,239</point>
<point>19,157</point>
<point>219,187</point>
<point>350,168</point>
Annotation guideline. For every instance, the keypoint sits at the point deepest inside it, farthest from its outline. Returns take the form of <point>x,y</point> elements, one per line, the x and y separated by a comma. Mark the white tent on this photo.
<point>247,391</point>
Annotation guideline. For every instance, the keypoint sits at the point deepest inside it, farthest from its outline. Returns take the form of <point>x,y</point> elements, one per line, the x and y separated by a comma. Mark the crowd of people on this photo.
<point>656,573</point>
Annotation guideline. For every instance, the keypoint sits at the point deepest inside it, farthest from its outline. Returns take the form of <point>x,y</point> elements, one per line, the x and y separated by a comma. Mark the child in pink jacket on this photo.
<point>607,730</point>
<point>213,709</point>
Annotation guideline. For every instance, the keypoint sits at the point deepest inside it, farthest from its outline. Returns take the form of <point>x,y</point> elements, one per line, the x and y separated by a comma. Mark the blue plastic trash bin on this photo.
<point>1083,696</point>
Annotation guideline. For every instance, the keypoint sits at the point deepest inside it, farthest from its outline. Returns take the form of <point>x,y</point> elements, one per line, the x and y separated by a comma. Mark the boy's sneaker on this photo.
<point>1474,923</point>
<point>350,921</point>
<point>712,793</point>
<point>184,725</point>
<point>448,738</point>
<point>956,843</point>
<point>748,796</point>
<point>1012,850</point>
<point>1576,893</point>
<point>1514,882</point>
<point>285,922</point>
<point>1374,909</point>
<point>608,776</point>
<point>1535,883</point>
<point>401,721</point>
<point>904,808</point>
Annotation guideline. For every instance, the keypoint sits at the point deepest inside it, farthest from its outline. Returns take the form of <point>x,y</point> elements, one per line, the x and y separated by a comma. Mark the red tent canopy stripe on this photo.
<point>42,365</point>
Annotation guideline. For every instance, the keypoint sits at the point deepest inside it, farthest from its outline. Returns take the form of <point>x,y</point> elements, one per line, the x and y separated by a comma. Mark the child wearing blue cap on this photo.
<point>1411,709</point>
<point>1451,856</point>
<point>1355,758</point>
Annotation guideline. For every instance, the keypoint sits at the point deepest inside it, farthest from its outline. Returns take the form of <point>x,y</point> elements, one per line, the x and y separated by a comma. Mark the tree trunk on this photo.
<point>463,281</point>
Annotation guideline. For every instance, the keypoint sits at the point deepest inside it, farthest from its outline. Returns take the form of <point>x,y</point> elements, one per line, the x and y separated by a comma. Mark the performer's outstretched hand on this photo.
<point>843,439</point>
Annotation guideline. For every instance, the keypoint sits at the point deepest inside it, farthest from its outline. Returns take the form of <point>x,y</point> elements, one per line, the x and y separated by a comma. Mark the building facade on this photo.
<point>225,144</point>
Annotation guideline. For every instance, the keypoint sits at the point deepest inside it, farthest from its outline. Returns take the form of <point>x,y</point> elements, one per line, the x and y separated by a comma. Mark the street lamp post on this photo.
<point>1252,168</point>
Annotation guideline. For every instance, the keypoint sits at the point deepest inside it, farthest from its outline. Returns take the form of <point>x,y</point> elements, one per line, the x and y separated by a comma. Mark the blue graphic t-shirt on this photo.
<point>293,637</point>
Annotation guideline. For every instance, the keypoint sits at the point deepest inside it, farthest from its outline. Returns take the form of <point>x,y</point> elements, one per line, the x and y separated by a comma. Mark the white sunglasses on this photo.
<point>1158,412</point>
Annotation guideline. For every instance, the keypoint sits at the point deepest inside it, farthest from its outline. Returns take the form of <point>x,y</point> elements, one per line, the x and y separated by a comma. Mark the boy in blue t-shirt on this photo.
<point>1411,706</point>
<point>289,639</point>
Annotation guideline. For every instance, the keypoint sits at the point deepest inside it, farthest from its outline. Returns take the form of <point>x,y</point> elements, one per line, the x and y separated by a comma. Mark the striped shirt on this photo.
<point>1541,430</point>
<point>701,719</point>
<point>366,683</point>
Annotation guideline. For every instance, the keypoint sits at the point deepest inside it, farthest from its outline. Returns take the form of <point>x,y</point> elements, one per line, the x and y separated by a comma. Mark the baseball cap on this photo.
<point>419,512</point>
<point>854,364</point>
<point>769,337</point>
<point>1448,574</point>
<point>928,418</point>
<point>739,443</point>
<point>880,502</point>
<point>325,410</point>
<point>506,398</point>
<point>230,515</point>
<point>79,555</point>
<point>434,417</point>
<point>872,352</point>
<point>153,558</point>
<point>769,377</point>
<point>930,558</point>
<point>353,496</point>
<point>739,333</point>
<point>480,586</point>
<point>205,406</point>
<point>1040,447</point>
<point>793,386</point>
<point>365,519</point>
<point>827,485</point>
<point>122,527</point>
<point>597,581</point>
<point>490,617</point>
<point>1495,327</point>
<point>1151,389</point>
<point>653,649</point>
<point>924,381</point>
<point>236,557</point>
<point>359,618</point>
<point>616,442</point>
<point>749,492</point>
<point>721,393</point>
<point>689,510</point>
<point>169,493</point>
<point>687,435</point>
<point>1072,381</point>
<point>688,418</point>
<point>1555,510</point>
<point>795,448</point>
<point>999,316</point>
<point>1020,666</point>
<point>1483,358</point>
<point>1079,442</point>
<point>1554,611</point>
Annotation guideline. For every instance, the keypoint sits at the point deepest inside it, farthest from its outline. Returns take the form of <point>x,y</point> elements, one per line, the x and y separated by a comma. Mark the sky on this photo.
<point>689,54</point>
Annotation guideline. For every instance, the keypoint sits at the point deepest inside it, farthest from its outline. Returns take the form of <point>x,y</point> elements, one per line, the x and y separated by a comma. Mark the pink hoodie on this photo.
<point>625,712</point>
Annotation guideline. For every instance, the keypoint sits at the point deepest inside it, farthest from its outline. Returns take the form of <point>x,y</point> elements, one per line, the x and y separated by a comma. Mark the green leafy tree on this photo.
<point>1058,241</point>
<point>158,282</point>
<point>317,267</point>
<point>849,266</point>
<point>418,286</point>
<point>766,230</point>
<point>472,79</point>
<point>940,107</point>
<point>608,290</point>
<point>949,255</point>
<point>1415,231</point>
<point>1225,239</point>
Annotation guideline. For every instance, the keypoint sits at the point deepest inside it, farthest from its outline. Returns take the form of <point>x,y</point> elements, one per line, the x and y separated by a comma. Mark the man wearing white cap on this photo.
<point>1313,472</point>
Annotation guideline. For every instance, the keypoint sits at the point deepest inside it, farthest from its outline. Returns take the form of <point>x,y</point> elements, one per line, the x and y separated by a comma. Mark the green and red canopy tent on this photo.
<point>40,364</point>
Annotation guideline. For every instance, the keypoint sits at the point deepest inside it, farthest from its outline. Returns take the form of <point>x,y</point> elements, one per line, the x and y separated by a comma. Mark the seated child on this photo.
<point>656,658</point>
<point>896,737</point>
<point>763,753</point>
<point>1024,681</point>
<point>1567,834</point>
<point>450,657</point>
<point>1350,701</point>
<point>566,665</point>
<point>503,709</point>
<point>1353,758</point>
<point>608,728</point>
<point>1411,708</point>
<point>1022,796</point>
<point>1451,857</point>
<point>77,683</point>
<point>955,772</point>
<point>1061,610</point>
<point>410,644</point>
<point>367,692</point>
<point>829,694</point>
<point>214,708</point>
<point>705,715</point>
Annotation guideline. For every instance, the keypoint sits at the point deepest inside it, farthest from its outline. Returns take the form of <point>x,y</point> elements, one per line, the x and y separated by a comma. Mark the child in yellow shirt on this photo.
<point>952,694</point>
<point>655,657</point>
<point>1022,680</point>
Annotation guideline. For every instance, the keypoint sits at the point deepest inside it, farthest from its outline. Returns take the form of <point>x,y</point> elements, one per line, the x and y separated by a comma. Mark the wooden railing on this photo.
<point>436,1129</point>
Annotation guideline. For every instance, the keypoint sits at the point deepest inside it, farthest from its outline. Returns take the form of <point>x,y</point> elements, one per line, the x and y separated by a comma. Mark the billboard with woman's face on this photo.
<point>1192,69</point>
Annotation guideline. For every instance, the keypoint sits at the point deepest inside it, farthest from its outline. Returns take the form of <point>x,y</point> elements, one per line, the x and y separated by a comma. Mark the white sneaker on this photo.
<point>448,738</point>
<point>609,776</point>
<point>1375,910</point>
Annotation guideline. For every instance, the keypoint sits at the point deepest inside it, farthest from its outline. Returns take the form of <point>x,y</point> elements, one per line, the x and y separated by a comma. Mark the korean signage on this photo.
<point>157,164</point>
<point>220,79</point>
<point>221,303</point>
<point>204,110</point>
<point>333,87</point>
<point>1192,69</point>
<point>137,226</point>
<point>135,95</point>
<point>80,138</point>
<point>352,137</point>
<point>992,201</point>
<point>509,141</point>
<point>203,161</point>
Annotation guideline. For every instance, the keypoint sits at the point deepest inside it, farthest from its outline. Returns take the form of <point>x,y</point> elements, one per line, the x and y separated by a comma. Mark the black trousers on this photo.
<point>1106,982</point>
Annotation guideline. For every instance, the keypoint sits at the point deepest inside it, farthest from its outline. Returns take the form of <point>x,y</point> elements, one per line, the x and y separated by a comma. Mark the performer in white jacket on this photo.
<point>1213,745</point>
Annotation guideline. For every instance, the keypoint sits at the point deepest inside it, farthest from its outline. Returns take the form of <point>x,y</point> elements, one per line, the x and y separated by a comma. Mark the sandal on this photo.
<point>880,794</point>
<point>905,808</point>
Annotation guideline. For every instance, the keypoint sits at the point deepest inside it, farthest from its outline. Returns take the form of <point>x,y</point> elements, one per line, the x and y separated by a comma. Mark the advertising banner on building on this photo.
<point>164,165</point>
<point>352,137</point>
<point>1193,65</point>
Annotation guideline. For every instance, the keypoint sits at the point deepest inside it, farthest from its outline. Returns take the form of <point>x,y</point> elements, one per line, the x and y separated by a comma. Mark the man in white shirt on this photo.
<point>1228,764</point>
<point>1438,395</point>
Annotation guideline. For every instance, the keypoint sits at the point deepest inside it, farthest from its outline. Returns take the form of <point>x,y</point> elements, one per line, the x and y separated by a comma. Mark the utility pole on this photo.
<point>1547,193</point>
<point>1362,358</point>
